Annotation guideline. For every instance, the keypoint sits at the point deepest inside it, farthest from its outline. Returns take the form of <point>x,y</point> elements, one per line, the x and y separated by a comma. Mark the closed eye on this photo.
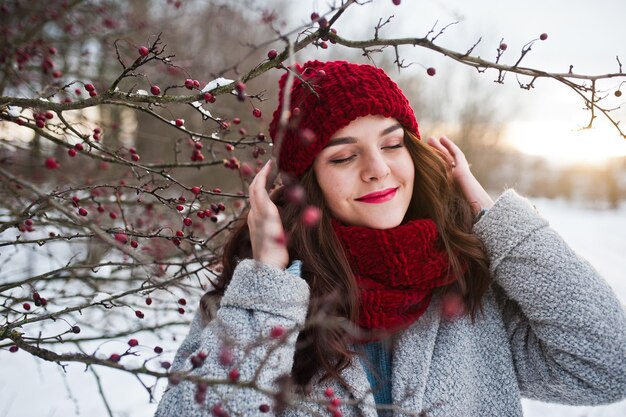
<point>399,145</point>
<point>342,160</point>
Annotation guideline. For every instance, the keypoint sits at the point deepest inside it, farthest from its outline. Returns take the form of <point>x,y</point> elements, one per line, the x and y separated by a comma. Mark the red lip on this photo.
<point>378,196</point>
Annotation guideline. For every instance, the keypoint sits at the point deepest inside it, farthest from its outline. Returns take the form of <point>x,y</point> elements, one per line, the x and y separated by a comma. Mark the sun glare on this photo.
<point>562,144</point>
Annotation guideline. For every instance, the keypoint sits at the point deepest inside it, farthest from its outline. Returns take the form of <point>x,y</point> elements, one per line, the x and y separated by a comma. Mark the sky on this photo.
<point>545,121</point>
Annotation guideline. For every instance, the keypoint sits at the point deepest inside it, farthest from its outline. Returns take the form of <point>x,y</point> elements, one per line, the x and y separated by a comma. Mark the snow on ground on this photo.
<point>29,387</point>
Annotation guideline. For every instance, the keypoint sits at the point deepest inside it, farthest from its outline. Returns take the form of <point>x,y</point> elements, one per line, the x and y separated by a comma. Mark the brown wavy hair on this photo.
<point>322,345</point>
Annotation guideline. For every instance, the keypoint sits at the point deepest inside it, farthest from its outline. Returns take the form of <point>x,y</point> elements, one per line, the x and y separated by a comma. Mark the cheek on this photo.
<point>335,189</point>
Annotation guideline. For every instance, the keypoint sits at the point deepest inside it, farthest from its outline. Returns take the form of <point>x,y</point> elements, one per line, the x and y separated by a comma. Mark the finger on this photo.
<point>445,152</point>
<point>256,190</point>
<point>450,146</point>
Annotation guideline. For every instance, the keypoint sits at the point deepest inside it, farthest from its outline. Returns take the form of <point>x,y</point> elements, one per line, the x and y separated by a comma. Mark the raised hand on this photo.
<point>474,193</point>
<point>267,234</point>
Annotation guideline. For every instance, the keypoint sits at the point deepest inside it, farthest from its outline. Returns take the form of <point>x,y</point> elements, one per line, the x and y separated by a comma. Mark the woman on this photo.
<point>415,294</point>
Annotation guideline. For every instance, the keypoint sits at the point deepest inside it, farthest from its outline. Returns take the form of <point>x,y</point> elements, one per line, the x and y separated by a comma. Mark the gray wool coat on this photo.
<point>552,330</point>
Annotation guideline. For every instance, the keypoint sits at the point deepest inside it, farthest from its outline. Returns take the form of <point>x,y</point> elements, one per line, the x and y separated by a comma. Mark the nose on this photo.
<point>375,167</point>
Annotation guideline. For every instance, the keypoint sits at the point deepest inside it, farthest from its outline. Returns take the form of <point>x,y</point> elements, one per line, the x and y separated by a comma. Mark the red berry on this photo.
<point>121,237</point>
<point>271,54</point>
<point>26,306</point>
<point>226,357</point>
<point>277,332</point>
<point>40,124</point>
<point>329,392</point>
<point>256,113</point>
<point>51,163</point>
<point>52,50</point>
<point>113,215</point>
<point>314,16</point>
<point>180,233</point>
<point>396,2</point>
<point>75,329</point>
<point>543,36</point>
<point>180,207</point>
<point>179,122</point>
<point>311,216</point>
<point>234,374</point>
<point>189,84</point>
<point>182,301</point>
<point>196,190</point>
<point>143,51</point>
<point>82,211</point>
<point>148,301</point>
<point>115,357</point>
<point>89,87</point>
<point>158,349</point>
<point>134,157</point>
<point>71,152</point>
<point>155,90</point>
<point>79,147</point>
<point>36,295</point>
<point>240,86</point>
<point>13,349</point>
<point>431,71</point>
<point>246,170</point>
<point>217,190</point>
<point>335,402</point>
<point>134,243</point>
<point>48,115</point>
<point>133,342</point>
<point>503,46</point>
<point>323,45</point>
<point>209,98</point>
<point>264,408</point>
<point>187,221</point>
<point>139,314</point>
<point>236,120</point>
<point>181,310</point>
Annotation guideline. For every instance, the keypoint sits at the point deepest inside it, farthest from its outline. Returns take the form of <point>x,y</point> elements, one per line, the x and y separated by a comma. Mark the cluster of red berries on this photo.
<point>133,154</point>
<point>196,154</point>
<point>73,151</point>
<point>182,302</point>
<point>198,359</point>
<point>333,403</point>
<point>39,300</point>
<point>232,163</point>
<point>91,89</point>
<point>191,84</point>
<point>96,133</point>
<point>27,226</point>
<point>40,118</point>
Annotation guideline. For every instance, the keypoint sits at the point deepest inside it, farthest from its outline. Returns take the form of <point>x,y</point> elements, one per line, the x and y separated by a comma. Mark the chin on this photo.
<point>382,222</point>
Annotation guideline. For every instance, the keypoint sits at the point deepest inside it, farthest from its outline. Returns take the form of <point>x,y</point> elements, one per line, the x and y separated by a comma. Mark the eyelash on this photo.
<point>344,160</point>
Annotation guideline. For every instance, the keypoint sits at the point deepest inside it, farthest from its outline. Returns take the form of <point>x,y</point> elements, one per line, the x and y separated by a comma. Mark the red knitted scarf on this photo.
<point>396,271</point>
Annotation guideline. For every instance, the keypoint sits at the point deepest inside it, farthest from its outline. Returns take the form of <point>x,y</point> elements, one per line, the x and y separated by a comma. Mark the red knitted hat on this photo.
<point>332,95</point>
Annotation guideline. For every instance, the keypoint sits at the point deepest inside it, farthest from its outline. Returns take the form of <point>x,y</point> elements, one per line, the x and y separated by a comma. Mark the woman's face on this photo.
<point>366,174</point>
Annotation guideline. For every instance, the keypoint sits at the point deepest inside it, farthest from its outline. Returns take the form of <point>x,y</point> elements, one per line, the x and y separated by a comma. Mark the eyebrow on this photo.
<point>351,139</point>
